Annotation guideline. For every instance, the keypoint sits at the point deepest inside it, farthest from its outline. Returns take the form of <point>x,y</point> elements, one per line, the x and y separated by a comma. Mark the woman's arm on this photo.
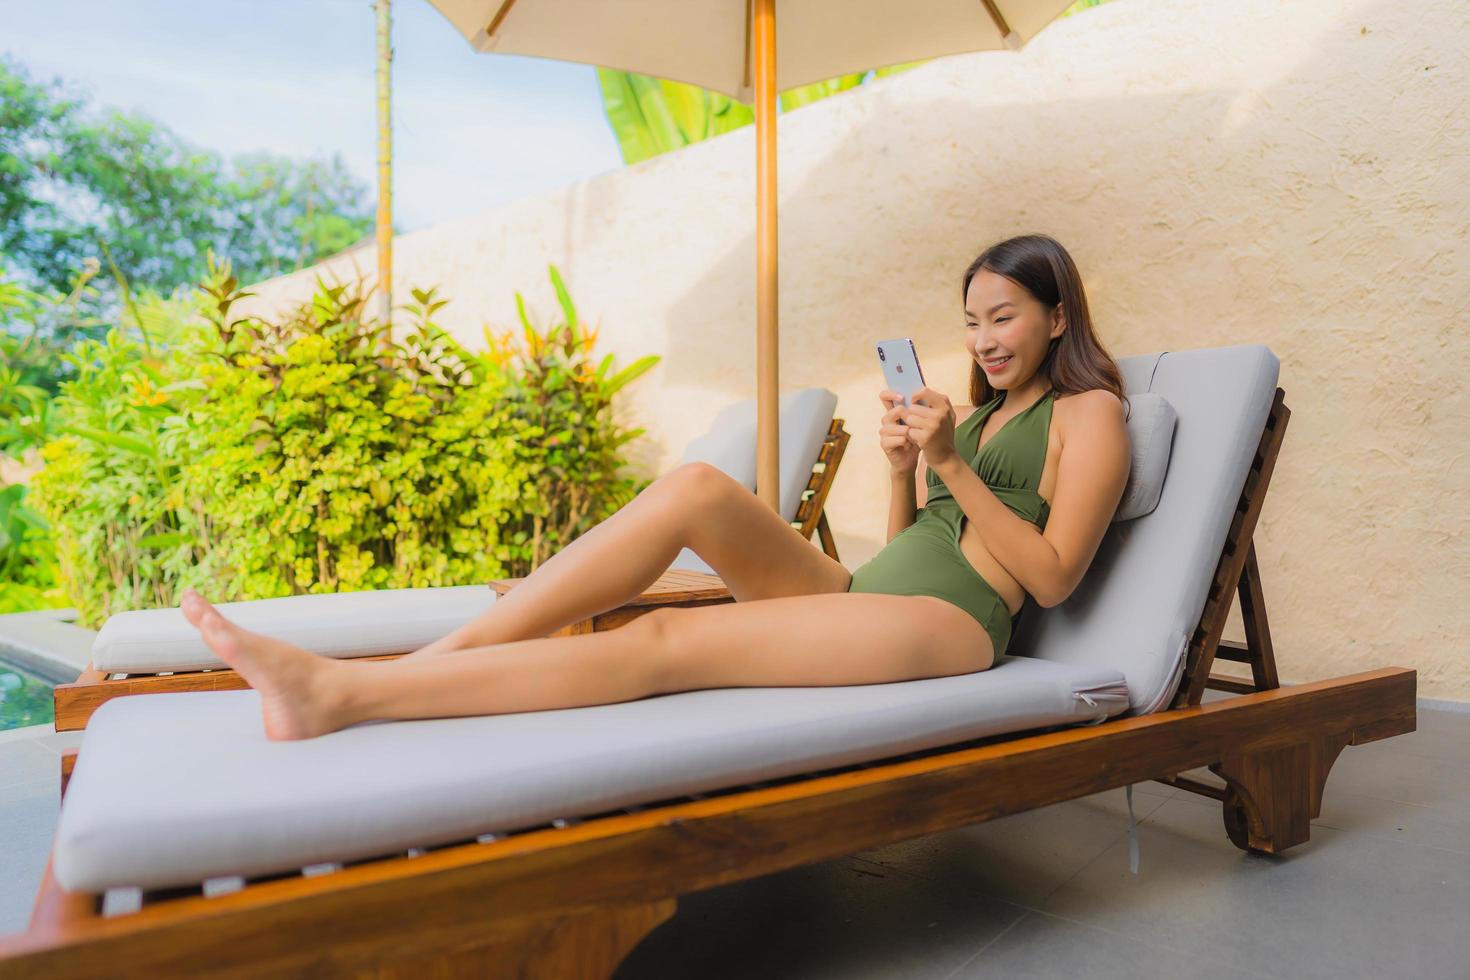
<point>1091,476</point>
<point>921,486</point>
<point>902,505</point>
<point>901,516</point>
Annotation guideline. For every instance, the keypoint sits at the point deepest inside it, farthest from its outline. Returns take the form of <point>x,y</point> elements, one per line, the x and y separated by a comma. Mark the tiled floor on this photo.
<point>30,780</point>
<point>1381,890</point>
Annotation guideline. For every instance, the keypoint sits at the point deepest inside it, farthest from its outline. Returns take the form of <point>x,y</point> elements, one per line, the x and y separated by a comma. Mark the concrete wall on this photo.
<point>1292,173</point>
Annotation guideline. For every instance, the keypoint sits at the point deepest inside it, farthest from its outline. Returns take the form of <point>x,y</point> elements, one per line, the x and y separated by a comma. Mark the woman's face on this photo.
<point>1003,320</point>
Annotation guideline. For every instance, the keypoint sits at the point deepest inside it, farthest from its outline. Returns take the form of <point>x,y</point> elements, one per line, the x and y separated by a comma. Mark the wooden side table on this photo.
<point>674,587</point>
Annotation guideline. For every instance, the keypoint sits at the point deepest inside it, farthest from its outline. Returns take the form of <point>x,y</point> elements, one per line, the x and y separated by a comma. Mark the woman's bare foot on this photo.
<point>293,683</point>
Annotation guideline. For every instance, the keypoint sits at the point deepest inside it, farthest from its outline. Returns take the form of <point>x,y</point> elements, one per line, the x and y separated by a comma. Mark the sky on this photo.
<point>295,77</point>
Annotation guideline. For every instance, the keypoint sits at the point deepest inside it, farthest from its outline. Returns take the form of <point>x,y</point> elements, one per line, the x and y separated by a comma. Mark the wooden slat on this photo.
<point>1216,682</point>
<point>1233,651</point>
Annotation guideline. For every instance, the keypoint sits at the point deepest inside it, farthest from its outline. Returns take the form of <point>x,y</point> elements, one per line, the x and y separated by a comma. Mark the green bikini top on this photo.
<point>1010,463</point>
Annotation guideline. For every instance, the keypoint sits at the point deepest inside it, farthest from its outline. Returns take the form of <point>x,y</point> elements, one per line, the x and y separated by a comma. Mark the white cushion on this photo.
<point>170,789</point>
<point>1143,594</point>
<point>1151,421</point>
<point>729,445</point>
<point>333,624</point>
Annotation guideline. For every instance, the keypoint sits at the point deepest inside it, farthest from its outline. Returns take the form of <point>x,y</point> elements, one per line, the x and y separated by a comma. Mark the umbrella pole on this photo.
<point>767,348</point>
<point>385,167</point>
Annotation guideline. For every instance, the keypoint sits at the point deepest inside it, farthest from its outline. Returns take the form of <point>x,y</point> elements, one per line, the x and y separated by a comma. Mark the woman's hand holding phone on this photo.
<point>893,435</point>
<point>925,424</point>
<point>929,428</point>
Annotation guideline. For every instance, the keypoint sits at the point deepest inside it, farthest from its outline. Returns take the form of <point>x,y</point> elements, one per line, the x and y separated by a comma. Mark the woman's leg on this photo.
<point>755,552</point>
<point>825,639</point>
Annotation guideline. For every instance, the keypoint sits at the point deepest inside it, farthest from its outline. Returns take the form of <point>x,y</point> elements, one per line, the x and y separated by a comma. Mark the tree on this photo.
<point>77,184</point>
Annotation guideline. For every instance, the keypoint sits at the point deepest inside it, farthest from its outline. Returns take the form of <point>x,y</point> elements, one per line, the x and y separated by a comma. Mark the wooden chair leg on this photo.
<point>825,533</point>
<point>1273,792</point>
<point>1257,651</point>
<point>1257,631</point>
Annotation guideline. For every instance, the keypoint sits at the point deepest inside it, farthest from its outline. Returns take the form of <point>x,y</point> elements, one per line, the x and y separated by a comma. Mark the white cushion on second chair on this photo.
<point>335,624</point>
<point>729,446</point>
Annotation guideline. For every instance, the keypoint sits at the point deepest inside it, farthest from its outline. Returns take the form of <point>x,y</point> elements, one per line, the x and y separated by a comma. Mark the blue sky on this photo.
<point>295,77</point>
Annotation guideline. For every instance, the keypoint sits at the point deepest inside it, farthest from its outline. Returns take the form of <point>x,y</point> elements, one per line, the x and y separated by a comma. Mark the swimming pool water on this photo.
<point>24,700</point>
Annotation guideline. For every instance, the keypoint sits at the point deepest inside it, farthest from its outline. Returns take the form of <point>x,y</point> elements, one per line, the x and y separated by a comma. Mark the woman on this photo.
<point>1019,489</point>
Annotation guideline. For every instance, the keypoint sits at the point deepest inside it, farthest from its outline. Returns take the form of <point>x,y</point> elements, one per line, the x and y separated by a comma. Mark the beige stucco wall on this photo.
<point>1291,173</point>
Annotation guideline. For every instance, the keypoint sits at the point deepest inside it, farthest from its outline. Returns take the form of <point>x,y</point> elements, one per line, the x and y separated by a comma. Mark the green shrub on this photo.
<point>332,461</point>
<point>29,577</point>
<point>35,327</point>
<point>111,485</point>
<point>560,408</point>
<point>308,453</point>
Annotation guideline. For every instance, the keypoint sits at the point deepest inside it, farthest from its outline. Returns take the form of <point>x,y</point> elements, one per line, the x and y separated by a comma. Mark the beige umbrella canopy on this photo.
<point>730,46</point>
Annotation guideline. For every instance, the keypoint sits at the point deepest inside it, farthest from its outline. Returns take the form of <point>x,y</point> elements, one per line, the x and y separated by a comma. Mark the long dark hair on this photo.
<point>1076,361</point>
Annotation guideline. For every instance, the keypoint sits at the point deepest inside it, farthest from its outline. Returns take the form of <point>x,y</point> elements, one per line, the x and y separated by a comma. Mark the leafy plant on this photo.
<point>253,457</point>
<point>35,326</point>
<point>332,461</point>
<point>110,487</point>
<point>28,571</point>
<point>560,408</point>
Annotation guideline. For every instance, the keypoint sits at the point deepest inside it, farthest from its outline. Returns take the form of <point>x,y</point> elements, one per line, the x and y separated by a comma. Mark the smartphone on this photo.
<point>901,367</point>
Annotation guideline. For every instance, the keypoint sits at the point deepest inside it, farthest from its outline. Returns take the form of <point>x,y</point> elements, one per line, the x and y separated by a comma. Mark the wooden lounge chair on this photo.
<point>688,582</point>
<point>570,898</point>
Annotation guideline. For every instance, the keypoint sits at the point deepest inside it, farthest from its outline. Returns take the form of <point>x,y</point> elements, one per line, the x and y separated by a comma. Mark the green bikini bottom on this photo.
<point>925,559</point>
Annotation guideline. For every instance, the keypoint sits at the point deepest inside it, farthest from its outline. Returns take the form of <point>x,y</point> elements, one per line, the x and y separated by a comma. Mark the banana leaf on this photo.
<point>795,98</point>
<point>650,116</point>
<point>639,115</point>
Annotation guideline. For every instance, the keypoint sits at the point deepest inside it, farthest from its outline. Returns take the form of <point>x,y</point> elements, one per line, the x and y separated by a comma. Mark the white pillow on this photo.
<point>335,624</point>
<point>1151,421</point>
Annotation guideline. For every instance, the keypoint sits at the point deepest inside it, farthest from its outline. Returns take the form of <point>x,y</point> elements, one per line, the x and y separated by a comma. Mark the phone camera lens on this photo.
<point>882,356</point>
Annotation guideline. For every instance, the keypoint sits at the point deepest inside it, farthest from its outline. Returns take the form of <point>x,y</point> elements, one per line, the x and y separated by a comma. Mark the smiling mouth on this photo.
<point>998,363</point>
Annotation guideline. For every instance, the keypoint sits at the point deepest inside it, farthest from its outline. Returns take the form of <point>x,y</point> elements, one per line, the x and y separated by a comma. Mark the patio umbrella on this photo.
<point>730,46</point>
